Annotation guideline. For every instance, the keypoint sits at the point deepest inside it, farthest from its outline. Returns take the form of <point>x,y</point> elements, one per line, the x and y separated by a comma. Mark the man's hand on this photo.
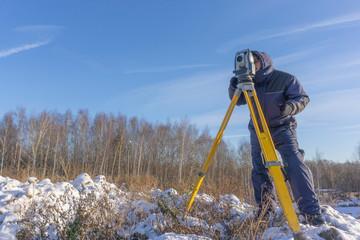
<point>233,82</point>
<point>286,109</point>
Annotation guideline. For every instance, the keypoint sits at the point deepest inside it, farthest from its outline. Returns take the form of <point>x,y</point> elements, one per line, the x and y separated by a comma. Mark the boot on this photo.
<point>314,219</point>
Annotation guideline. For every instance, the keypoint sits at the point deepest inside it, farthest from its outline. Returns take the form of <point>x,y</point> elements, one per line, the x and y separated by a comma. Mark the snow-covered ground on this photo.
<point>51,209</point>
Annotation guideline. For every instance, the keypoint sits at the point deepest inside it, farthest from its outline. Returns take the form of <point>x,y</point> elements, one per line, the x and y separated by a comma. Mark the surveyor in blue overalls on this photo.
<point>281,96</point>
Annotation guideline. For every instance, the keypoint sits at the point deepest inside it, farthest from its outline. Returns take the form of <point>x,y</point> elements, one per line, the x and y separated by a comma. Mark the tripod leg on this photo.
<point>214,147</point>
<point>271,159</point>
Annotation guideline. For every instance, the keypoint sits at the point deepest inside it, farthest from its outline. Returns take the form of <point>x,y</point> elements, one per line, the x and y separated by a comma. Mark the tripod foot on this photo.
<point>300,236</point>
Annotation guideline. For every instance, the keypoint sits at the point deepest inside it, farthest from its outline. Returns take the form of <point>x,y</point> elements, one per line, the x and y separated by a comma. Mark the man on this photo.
<point>281,96</point>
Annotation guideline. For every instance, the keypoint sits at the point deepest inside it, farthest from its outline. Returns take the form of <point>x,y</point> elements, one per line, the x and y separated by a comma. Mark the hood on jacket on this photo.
<point>267,67</point>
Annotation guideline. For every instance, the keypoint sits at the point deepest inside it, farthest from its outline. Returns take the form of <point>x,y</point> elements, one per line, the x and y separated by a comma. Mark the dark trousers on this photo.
<point>299,175</point>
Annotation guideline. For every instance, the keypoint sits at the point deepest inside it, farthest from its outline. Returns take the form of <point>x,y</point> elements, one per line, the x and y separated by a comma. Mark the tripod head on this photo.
<point>244,66</point>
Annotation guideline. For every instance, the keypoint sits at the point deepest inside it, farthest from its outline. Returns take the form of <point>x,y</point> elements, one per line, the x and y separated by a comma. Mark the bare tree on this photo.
<point>83,128</point>
<point>119,142</point>
<point>180,138</point>
<point>56,150</point>
<point>37,132</point>
<point>5,135</point>
<point>47,146</point>
<point>21,136</point>
<point>318,158</point>
<point>245,162</point>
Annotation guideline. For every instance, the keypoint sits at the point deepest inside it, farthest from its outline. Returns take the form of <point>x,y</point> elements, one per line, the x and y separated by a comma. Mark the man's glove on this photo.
<point>233,82</point>
<point>286,109</point>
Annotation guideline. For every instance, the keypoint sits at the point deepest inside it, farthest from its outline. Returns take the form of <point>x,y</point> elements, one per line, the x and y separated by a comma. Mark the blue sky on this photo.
<point>161,60</point>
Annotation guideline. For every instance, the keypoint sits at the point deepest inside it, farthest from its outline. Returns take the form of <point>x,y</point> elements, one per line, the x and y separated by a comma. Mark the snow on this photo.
<point>56,205</point>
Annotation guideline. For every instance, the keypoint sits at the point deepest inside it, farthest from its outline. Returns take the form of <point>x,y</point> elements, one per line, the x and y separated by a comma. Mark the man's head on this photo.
<point>263,66</point>
<point>257,62</point>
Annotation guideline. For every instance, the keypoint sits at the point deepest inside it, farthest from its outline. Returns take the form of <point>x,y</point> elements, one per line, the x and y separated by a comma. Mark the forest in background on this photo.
<point>139,155</point>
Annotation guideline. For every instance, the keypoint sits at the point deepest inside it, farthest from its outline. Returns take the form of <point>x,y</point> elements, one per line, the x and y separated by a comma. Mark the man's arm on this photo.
<point>232,89</point>
<point>297,99</point>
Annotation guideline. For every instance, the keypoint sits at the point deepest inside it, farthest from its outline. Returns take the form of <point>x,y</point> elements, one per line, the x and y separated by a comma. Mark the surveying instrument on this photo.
<point>245,72</point>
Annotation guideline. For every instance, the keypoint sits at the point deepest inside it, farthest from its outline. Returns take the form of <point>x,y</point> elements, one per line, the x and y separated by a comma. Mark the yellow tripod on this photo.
<point>268,150</point>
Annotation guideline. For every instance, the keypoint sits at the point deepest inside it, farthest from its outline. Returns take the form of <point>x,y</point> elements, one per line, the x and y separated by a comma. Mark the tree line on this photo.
<point>61,145</point>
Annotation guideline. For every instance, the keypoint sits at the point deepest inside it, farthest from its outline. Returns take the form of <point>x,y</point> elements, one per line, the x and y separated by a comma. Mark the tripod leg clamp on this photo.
<point>246,86</point>
<point>201,174</point>
<point>273,164</point>
<point>270,163</point>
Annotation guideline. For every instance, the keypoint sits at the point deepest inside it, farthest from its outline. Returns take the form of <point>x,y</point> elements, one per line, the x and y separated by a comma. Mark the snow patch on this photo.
<point>57,205</point>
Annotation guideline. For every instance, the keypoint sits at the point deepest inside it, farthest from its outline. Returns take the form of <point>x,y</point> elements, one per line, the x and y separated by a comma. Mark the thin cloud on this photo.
<point>197,86</point>
<point>350,127</point>
<point>24,47</point>
<point>333,107</point>
<point>168,69</point>
<point>328,23</point>
<point>200,91</point>
<point>283,60</point>
<point>213,119</point>
<point>352,133</point>
<point>350,18</point>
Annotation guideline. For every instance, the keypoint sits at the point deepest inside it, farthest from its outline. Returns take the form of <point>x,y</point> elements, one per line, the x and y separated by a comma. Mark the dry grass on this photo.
<point>215,221</point>
<point>143,183</point>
